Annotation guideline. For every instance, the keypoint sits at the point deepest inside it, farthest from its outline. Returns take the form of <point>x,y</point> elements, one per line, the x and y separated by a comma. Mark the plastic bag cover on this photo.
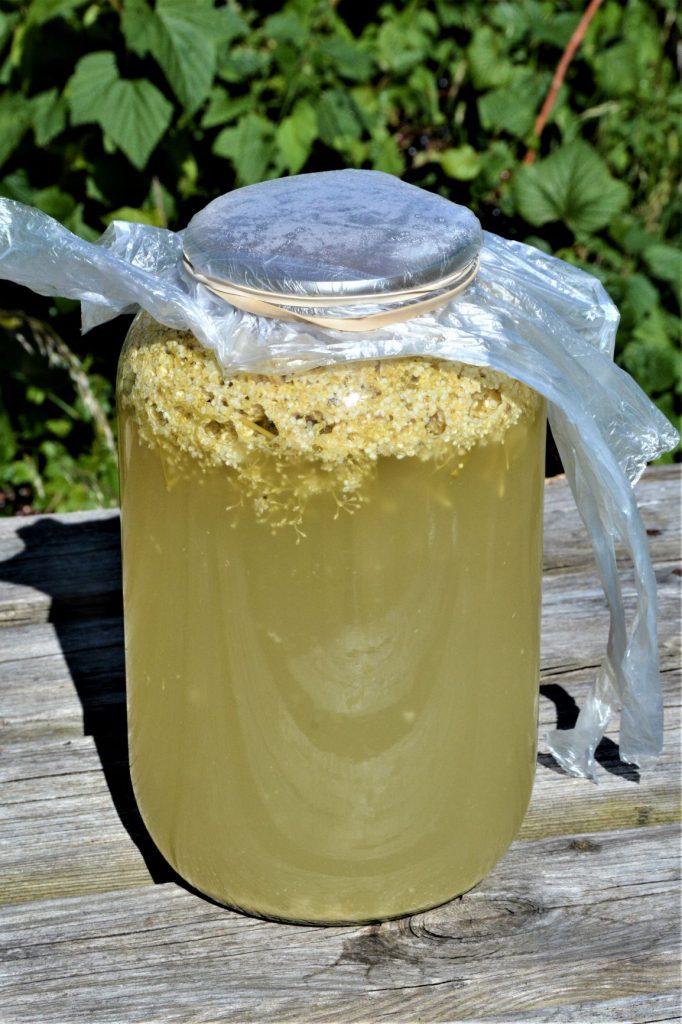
<point>530,315</point>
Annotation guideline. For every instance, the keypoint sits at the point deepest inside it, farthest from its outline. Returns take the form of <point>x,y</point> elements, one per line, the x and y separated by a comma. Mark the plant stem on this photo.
<point>560,73</point>
<point>43,340</point>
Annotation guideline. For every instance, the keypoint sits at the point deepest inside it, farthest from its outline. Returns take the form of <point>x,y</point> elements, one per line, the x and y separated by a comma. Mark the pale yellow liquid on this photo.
<point>340,726</point>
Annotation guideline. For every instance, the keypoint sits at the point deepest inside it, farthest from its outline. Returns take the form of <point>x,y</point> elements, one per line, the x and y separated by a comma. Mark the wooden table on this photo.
<point>580,921</point>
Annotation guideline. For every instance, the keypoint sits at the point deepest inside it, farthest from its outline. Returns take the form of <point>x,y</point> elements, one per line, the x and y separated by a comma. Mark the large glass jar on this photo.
<point>332,596</point>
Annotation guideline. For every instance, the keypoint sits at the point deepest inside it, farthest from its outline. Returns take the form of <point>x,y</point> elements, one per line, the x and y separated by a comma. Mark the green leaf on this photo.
<point>617,71</point>
<point>185,47</point>
<point>401,48</point>
<point>182,36</point>
<point>35,395</point>
<point>630,235</point>
<point>385,154</point>
<point>139,26</point>
<point>223,108</point>
<point>286,27</point>
<point>462,163</point>
<point>15,118</point>
<point>243,62</point>
<point>17,186</point>
<point>539,243</point>
<point>7,23</point>
<point>8,440</point>
<point>41,11</point>
<point>640,294</point>
<point>189,176</point>
<point>349,59</point>
<point>51,200</point>
<point>450,14</point>
<point>573,185</point>
<point>665,263</point>
<point>654,366</point>
<point>557,29</point>
<point>135,215</point>
<point>423,84</point>
<point>48,116</point>
<point>514,20</point>
<point>248,146</point>
<point>133,114</point>
<point>295,136</point>
<point>338,117</point>
<point>488,68</point>
<point>229,25</point>
<point>495,162</point>
<point>54,202</point>
<point>59,427</point>
<point>513,109</point>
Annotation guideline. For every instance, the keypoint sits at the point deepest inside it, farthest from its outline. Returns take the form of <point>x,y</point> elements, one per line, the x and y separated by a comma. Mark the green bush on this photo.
<point>124,109</point>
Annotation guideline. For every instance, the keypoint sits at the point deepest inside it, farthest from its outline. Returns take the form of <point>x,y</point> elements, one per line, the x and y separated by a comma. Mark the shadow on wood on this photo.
<point>607,753</point>
<point>91,639</point>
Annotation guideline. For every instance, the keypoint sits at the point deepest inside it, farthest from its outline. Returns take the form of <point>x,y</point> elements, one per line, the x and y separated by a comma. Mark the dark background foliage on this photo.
<point>146,110</point>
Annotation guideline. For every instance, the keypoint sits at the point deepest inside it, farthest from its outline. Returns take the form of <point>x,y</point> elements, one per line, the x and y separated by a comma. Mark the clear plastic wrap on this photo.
<point>527,314</point>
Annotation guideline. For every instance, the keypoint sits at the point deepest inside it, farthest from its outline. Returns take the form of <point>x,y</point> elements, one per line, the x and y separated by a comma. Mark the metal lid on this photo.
<point>336,234</point>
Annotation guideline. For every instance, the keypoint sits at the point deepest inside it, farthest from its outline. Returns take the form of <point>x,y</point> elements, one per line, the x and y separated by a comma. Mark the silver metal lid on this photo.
<point>354,234</point>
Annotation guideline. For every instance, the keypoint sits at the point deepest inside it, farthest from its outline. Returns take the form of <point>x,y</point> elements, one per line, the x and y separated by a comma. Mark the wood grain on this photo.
<point>561,924</point>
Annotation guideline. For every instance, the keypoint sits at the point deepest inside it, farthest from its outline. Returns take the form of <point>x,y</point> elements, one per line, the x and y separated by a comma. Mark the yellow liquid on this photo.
<point>339,726</point>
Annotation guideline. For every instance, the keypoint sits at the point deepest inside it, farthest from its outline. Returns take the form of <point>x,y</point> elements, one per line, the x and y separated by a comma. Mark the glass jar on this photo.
<point>332,598</point>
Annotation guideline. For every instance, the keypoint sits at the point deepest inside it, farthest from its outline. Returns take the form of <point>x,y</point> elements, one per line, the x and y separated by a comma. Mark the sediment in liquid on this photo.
<point>334,721</point>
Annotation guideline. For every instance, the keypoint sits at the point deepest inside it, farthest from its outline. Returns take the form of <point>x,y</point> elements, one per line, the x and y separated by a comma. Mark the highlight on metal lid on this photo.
<point>339,237</point>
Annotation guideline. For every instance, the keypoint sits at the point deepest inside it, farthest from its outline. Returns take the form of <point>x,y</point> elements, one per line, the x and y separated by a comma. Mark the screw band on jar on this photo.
<point>412,302</point>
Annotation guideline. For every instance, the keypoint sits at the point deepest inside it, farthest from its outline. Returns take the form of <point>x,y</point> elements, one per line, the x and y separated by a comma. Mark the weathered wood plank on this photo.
<point>567,544</point>
<point>62,679</point>
<point>633,1009</point>
<point>60,566</point>
<point>558,926</point>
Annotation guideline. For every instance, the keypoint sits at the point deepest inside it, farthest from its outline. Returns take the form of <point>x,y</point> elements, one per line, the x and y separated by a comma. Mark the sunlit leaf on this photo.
<point>185,47</point>
<point>40,11</point>
<point>349,59</point>
<point>295,136</point>
<point>513,109</point>
<point>15,115</point>
<point>338,117</point>
<point>223,108</point>
<point>488,67</point>
<point>248,146</point>
<point>463,163</point>
<point>48,116</point>
<point>286,27</point>
<point>573,185</point>
<point>665,263</point>
<point>134,114</point>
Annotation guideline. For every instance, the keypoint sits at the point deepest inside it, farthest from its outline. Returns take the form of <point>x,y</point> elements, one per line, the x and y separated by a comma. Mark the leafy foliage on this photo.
<point>146,109</point>
<point>572,186</point>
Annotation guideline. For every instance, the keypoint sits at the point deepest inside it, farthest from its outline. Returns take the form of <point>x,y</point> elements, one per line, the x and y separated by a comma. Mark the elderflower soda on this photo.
<point>333,699</point>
